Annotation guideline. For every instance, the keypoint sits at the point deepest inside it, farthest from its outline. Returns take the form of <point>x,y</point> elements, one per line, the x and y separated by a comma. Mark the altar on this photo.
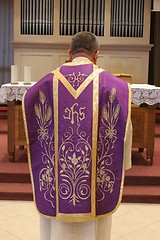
<point>145,97</point>
<point>144,100</point>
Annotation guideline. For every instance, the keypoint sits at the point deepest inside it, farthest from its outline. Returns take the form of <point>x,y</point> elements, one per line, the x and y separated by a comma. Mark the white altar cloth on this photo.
<point>141,93</point>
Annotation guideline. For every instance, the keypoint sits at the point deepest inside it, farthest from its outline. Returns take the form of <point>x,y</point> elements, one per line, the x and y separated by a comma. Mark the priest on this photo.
<point>79,136</point>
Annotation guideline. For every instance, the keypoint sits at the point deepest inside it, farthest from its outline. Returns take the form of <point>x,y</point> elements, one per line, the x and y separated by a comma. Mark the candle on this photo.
<point>27,74</point>
<point>14,74</point>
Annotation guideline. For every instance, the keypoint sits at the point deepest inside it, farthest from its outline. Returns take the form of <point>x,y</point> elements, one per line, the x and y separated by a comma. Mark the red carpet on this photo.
<point>141,181</point>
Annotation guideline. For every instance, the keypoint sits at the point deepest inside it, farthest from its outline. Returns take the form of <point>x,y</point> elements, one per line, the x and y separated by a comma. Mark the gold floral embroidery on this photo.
<point>43,114</point>
<point>76,80</point>
<point>107,138</point>
<point>74,161</point>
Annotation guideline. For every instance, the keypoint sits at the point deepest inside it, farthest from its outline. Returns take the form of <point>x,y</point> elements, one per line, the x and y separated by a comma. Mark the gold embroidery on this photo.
<point>95,109</point>
<point>56,123</point>
<point>110,115</point>
<point>68,86</point>
<point>72,114</point>
<point>84,138</point>
<point>75,162</point>
<point>43,114</point>
<point>76,80</point>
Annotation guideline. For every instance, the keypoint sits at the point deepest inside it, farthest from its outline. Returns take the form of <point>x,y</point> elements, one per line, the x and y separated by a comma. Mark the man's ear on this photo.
<point>96,56</point>
<point>70,55</point>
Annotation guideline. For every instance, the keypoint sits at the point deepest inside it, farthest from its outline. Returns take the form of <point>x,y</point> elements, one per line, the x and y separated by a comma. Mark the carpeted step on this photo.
<point>141,194</point>
<point>3,111</point>
<point>14,173</point>
<point>3,126</point>
<point>140,175</point>
<point>15,183</point>
<point>16,191</point>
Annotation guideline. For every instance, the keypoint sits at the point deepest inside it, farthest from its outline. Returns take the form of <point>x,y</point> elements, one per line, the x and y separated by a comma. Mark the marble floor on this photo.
<point>20,221</point>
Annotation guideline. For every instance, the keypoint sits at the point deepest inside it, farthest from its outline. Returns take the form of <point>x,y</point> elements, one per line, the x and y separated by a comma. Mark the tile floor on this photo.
<point>20,221</point>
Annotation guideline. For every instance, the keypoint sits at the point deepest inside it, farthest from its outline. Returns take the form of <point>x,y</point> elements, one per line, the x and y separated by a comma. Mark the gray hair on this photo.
<point>84,42</point>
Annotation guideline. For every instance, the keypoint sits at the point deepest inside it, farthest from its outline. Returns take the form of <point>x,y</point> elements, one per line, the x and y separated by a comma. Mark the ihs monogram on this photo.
<point>74,113</point>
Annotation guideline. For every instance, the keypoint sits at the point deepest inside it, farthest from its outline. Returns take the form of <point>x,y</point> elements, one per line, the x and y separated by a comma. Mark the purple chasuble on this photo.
<point>75,121</point>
